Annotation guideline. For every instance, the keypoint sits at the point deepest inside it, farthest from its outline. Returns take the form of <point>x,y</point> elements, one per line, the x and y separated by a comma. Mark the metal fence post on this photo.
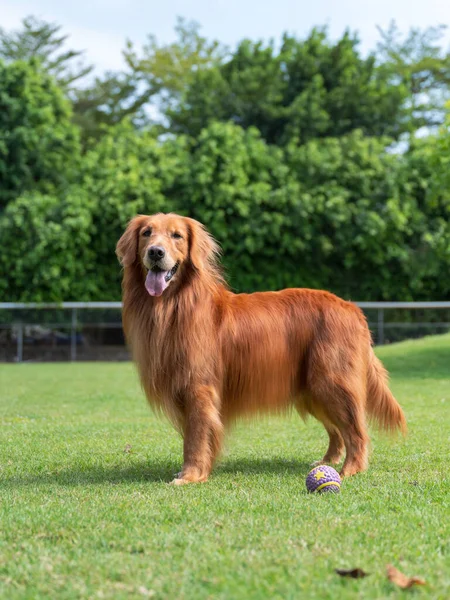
<point>18,324</point>
<point>20,343</point>
<point>380,326</point>
<point>73,336</point>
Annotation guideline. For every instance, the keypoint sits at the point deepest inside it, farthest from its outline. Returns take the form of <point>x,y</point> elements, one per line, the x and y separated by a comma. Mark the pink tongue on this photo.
<point>156,283</point>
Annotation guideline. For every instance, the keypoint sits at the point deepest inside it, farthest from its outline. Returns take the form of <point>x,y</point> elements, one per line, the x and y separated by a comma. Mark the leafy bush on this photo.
<point>39,146</point>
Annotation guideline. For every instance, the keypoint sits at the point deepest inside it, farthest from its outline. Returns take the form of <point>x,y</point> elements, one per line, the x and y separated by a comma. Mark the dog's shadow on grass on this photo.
<point>149,471</point>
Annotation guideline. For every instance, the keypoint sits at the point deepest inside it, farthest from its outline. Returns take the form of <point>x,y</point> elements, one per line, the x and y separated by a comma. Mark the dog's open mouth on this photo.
<point>157,279</point>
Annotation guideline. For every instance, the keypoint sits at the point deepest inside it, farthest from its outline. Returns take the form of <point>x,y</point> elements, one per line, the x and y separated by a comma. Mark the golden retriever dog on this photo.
<point>206,355</point>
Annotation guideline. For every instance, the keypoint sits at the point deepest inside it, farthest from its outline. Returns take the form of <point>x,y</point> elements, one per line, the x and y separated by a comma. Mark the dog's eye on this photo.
<point>177,235</point>
<point>147,233</point>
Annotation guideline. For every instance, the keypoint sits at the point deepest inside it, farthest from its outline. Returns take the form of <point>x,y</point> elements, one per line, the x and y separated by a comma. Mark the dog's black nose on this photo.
<point>156,253</point>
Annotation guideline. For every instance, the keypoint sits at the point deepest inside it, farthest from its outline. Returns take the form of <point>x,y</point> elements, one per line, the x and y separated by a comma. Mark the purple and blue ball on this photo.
<point>323,479</point>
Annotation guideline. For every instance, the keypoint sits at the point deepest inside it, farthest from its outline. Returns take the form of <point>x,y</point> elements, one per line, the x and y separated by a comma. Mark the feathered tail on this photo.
<point>381,404</point>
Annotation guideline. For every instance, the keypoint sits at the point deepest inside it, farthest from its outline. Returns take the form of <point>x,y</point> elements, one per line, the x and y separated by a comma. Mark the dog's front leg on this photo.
<point>203,432</point>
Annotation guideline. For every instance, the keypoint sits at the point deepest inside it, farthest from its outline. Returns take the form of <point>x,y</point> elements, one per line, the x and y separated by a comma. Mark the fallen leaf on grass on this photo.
<point>401,579</point>
<point>145,592</point>
<point>354,573</point>
<point>118,585</point>
<point>127,449</point>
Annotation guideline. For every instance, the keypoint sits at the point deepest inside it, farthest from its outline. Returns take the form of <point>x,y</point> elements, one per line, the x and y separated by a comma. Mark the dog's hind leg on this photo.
<point>308,404</point>
<point>344,408</point>
<point>336,447</point>
<point>336,383</point>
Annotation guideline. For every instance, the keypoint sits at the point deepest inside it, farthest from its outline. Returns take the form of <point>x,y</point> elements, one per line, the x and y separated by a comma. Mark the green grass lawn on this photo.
<point>81,517</point>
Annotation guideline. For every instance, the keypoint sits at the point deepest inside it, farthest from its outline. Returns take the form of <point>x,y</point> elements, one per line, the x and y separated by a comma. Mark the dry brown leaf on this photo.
<point>118,585</point>
<point>401,579</point>
<point>127,449</point>
<point>145,592</point>
<point>354,573</point>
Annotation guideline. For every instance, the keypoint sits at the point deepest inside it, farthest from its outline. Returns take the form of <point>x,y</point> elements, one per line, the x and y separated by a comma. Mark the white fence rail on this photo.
<point>73,324</point>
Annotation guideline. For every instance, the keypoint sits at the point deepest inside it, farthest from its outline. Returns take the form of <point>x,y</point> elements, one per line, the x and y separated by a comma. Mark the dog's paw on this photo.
<point>179,481</point>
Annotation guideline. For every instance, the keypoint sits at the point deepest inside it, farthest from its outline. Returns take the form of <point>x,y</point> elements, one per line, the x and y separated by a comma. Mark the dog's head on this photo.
<point>167,246</point>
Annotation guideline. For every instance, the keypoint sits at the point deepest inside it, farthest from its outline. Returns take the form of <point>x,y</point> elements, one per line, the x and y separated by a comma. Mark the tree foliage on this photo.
<point>45,252</point>
<point>153,80</point>
<point>43,41</point>
<point>39,146</point>
<point>283,152</point>
<point>309,88</point>
<point>418,63</point>
<point>74,233</point>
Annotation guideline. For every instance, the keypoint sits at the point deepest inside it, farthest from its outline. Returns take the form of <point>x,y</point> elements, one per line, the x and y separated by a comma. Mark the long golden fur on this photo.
<point>207,356</point>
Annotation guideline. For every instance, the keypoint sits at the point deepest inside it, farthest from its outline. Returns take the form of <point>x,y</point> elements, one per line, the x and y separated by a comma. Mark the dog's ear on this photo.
<point>126,248</point>
<point>203,249</point>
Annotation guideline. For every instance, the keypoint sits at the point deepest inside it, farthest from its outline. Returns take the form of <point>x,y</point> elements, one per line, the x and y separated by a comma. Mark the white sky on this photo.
<point>101,26</point>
